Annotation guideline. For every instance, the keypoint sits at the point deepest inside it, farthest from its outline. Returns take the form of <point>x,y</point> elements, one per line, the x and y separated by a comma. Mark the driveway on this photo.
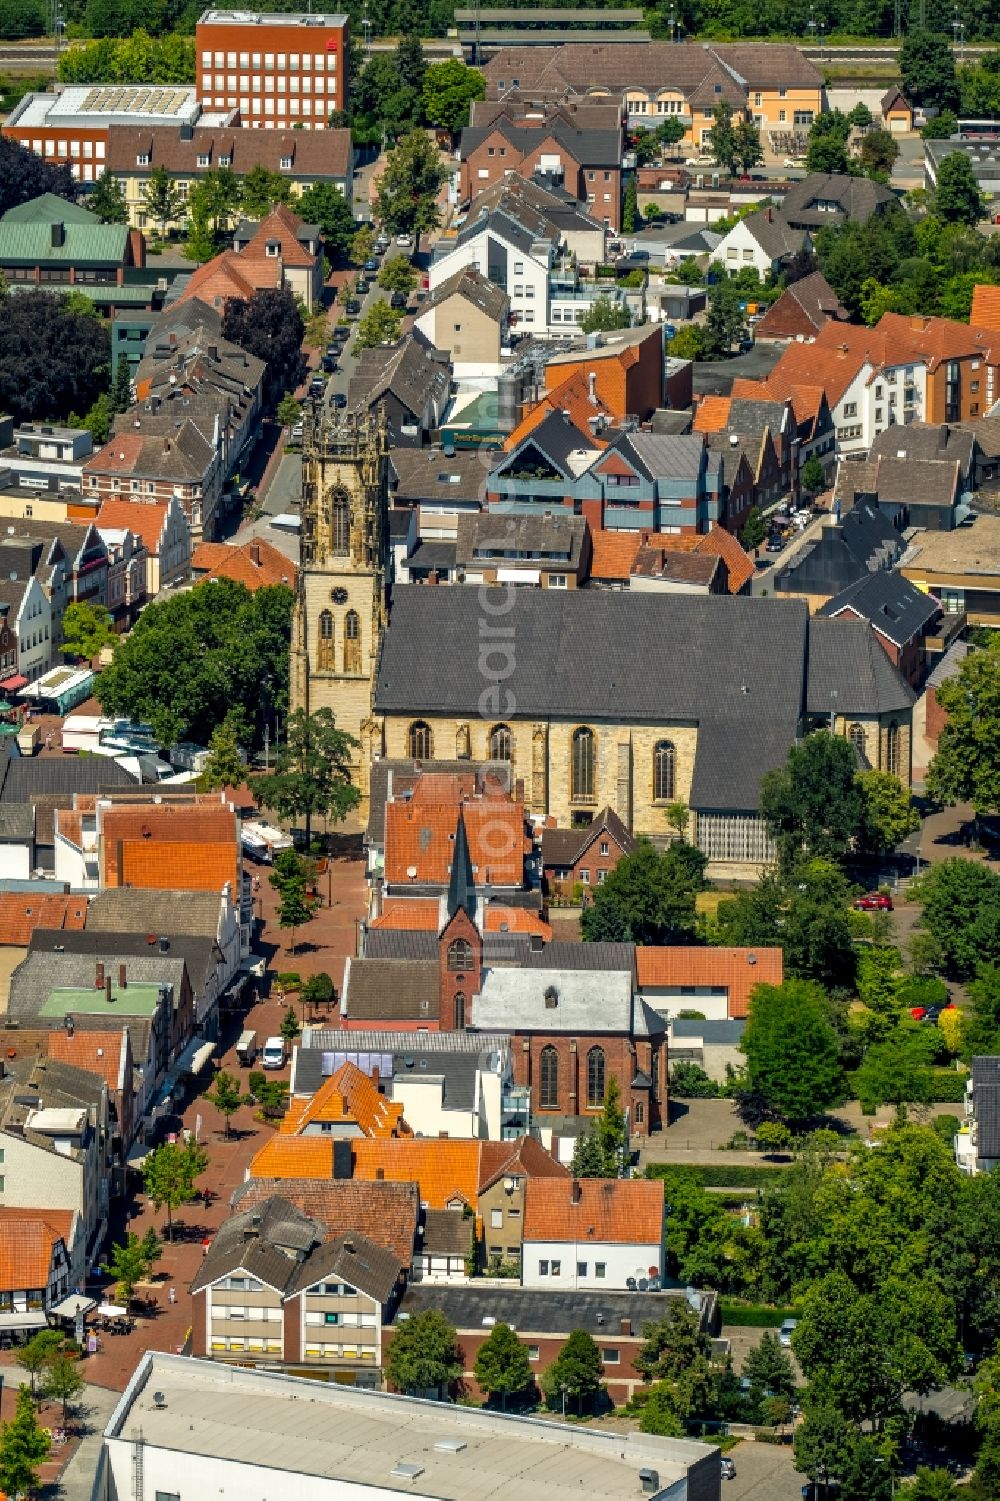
<point>764,1472</point>
<point>283,494</point>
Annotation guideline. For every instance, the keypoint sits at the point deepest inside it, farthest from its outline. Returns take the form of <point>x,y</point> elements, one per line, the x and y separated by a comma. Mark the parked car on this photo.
<point>670,330</point>
<point>874,901</point>
<point>329,363</point>
<point>317,386</point>
<point>340,334</point>
<point>745,346</point>
<point>273,1053</point>
<point>397,300</point>
<point>338,399</point>
<point>786,1331</point>
<point>372,263</point>
<point>363,285</point>
<point>405,242</point>
<point>775,544</point>
<point>352,307</point>
<point>297,432</point>
<point>727,1468</point>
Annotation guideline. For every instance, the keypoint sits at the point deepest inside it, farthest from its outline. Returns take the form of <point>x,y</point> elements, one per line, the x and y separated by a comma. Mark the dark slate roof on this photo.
<point>24,778</point>
<point>751,418</point>
<point>950,664</point>
<point>589,148</point>
<point>565,955</point>
<point>392,990</point>
<point>407,370</point>
<point>446,1233</point>
<point>894,605</point>
<point>475,288</point>
<point>486,537</point>
<point>129,909</point>
<point>664,421</point>
<point>565,846</point>
<point>200,954</point>
<point>431,474</point>
<point>721,1034</point>
<point>400,943</point>
<point>556,438</point>
<point>356,1260</point>
<point>986,1104</point>
<point>849,671</point>
<point>17,822</point>
<point>858,198</point>
<point>458,1068</point>
<point>536,1312</point>
<point>433,554</point>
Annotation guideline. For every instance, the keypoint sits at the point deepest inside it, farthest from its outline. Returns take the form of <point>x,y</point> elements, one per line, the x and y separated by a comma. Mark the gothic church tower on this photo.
<point>340,611</point>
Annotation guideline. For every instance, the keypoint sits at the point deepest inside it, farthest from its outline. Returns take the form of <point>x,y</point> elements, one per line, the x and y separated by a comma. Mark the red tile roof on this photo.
<point>528,1159</point>
<point>194,847</point>
<point>420,838</point>
<point>96,1052</point>
<point>738,969</point>
<point>229,275</point>
<point>294,1157</point>
<point>711,414</point>
<point>178,867</point>
<point>620,1211</point>
<point>724,545</point>
<point>281,225</point>
<point>348,1097</point>
<point>27,1238</point>
<point>144,518</point>
<point>516,920</point>
<point>613,554</point>
<point>385,1212</point>
<point>409,914</point>
<point>21,913</point>
<point>445,1169</point>
<point>256,564</point>
<point>985,307</point>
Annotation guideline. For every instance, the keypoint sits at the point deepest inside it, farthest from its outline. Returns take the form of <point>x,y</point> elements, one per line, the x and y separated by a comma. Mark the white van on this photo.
<point>273,1055</point>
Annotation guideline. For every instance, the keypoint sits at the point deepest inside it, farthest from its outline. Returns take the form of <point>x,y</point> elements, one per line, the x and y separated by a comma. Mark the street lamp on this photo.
<point>564,1389</point>
<point>958,32</point>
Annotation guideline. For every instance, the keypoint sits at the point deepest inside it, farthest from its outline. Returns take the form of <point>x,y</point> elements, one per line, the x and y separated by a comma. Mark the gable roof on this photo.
<point>604,1211</point>
<point>443,1170</point>
<point>22,912</point>
<point>774,234</point>
<point>474,288</point>
<point>613,554</point>
<point>985,306</point>
<point>257,564</point>
<point>527,1158</point>
<point>283,227</point>
<point>858,198</point>
<point>810,300</point>
<point>387,990</point>
<point>145,519</point>
<point>567,846</point>
<point>711,414</point>
<point>848,668</point>
<point>896,608</point>
<point>185,846</point>
<point>294,1157</point>
<point>938,441</point>
<point>27,1241</point>
<point>737,969</point>
<point>421,838</point>
<point>408,370</point>
<point>101,1053</point>
<point>738,562</point>
<point>384,1212</point>
<point>127,909</point>
<point>348,1096</point>
<point>314,154</point>
<point>891,97</point>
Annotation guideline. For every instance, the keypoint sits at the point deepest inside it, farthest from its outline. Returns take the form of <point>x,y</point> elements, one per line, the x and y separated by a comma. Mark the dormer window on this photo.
<point>225,161</point>
<point>285,163</point>
<point>203,158</point>
<point>273,247</point>
<point>142,159</point>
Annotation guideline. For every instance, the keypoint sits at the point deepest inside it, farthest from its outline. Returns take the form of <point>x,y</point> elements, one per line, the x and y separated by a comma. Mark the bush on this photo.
<point>946,1126</point>
<point>689,1082</point>
<point>740,1175</point>
<point>289,980</point>
<point>947,1086</point>
<point>753,1315</point>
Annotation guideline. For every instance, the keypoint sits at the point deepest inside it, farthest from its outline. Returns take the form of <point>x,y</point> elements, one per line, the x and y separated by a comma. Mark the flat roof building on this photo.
<point>279,71</point>
<point>198,1428</point>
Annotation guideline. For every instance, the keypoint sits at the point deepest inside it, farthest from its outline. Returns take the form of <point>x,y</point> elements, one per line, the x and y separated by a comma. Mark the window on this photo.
<point>557,581</point>
<point>585,877</point>
<point>421,741</point>
<point>203,159</point>
<point>459,1011</point>
<point>543,1269</point>
<point>285,163</point>
<point>600,1269</point>
<point>500,743</point>
<point>640,1113</point>
<point>605,847</point>
<point>460,955</point>
<point>340,519</point>
<point>581,1269</point>
<point>664,758</point>
<point>582,785</point>
<point>611,1356</point>
<point>548,1092</point>
<point>352,642</point>
<point>142,159</point>
<point>556,1268</point>
<point>496,1219</point>
<point>326,641</point>
<point>168,1496</point>
<point>595,1078</point>
<point>856,735</point>
<point>892,749</point>
<point>534,1352</point>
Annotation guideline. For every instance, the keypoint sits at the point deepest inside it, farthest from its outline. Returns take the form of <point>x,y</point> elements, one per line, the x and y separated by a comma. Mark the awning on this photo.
<point>12,684</point>
<point>111,1311</point>
<point>200,1057</point>
<point>31,1318</point>
<point>519,575</point>
<point>75,1303</point>
<point>191,1061</point>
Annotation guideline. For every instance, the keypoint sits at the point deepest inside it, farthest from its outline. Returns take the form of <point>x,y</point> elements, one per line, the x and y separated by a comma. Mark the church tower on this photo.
<point>340,611</point>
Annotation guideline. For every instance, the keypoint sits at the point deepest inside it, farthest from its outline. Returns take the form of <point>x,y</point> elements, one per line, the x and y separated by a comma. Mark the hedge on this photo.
<point>740,1175</point>
<point>753,1315</point>
<point>947,1086</point>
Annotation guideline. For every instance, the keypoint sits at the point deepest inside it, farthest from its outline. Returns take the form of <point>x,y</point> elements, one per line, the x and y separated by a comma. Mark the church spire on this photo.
<point>462,884</point>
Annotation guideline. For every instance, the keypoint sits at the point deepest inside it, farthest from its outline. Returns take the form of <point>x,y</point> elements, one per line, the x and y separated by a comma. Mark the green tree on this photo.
<point>312,774</point>
<point>805,911</point>
<point>960,902</point>
<point>423,1356</point>
<point>941,127</point>
<point>24,1446</point>
<point>381,324</point>
<point>769,1369</point>
<point>822,1443</point>
<point>981,1021</point>
<point>648,898</point>
<point>502,1368</point>
<point>790,1045</point>
<point>813,475</point>
<point>722,138</point>
<point>131,1262</point>
<point>410,62</point>
<point>603,314</point>
<point>289,410</point>
<point>773,1136</point>
<point>396,274</point>
<point>678,818</point>
<point>812,804</point>
<point>888,814</point>
<point>754,530</point>
<point>86,630</point>
<point>406,194</point>
<point>106,199</point>
<point>161,199</point>
<point>449,88</point>
<point>121,388</point>
<point>269,324</point>
<point>189,660</point>
<point>324,204</point>
<point>827,147</point>
<point>226,1096</point>
<point>748,149</point>
<point>290,1027</point>
<point>927,70</point>
<point>860,115</point>
<point>576,1371</point>
<point>62,1381</point>
<point>932,1485</point>
<point>688,343</point>
<point>362,245</point>
<point>688,1081</point>
<point>36,1354</point>
<point>879,151</point>
<point>261,190</point>
<point>170,1173</point>
<point>318,990</point>
<point>966,764</point>
<point>957,198</point>
<point>898,1071</point>
<point>630,206</point>
<point>659,1412</point>
<point>602,1150</point>
<point>295,909</point>
<point>225,766</point>
<point>726,322</point>
<point>672,1344</point>
<point>200,244</point>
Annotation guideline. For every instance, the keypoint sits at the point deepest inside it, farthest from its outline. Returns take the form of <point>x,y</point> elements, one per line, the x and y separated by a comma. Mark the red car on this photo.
<point>875,901</point>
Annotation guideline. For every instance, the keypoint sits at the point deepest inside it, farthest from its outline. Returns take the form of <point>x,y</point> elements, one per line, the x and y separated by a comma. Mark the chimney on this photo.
<point>770,216</point>
<point>592,385</point>
<point>375,1075</point>
<point>213,352</point>
<point>626,1326</point>
<point>122,977</point>
<point>576,1191</point>
<point>69,1024</point>
<point>255,554</point>
<point>107,990</point>
<point>99,977</point>
<point>380,1175</point>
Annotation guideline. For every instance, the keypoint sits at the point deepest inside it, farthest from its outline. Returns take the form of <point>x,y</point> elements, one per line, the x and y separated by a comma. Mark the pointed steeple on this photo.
<point>462,884</point>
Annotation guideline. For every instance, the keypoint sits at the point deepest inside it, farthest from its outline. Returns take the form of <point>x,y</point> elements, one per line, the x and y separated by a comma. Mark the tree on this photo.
<point>290,1027</point>
<point>381,324</point>
<point>161,199</point>
<point>768,1369</point>
<point>773,1136</point>
<point>225,766</point>
<point>688,343</point>
<point>941,126</point>
<point>791,1049</point>
<point>805,912</point>
<point>813,475</point>
<point>502,1367</point>
<point>981,1024</point>
<point>630,206</point>
<point>169,1175</point>
<point>62,1381</point>
<point>324,204</point>
<point>966,764</point>
<point>932,1485</point>
<point>827,148</point>
<point>812,804</point>
<point>318,990</point>
<point>269,325</point>
<point>602,1150</point>
<point>887,811</point>
<point>188,661</point>
<point>822,1443</point>
<point>577,1370</point>
<point>86,630</point>
<point>647,898</point>
<point>131,1262</point>
<point>678,818</point>
<point>24,1446</point>
<point>289,410</point>
<point>36,1354</point>
<point>24,176</point>
<point>295,909</point>
<point>722,138</point>
<point>960,900</point>
<point>688,1081</point>
<point>53,361</point>
<point>726,322</point>
<point>411,64</point>
<point>957,199</point>
<point>362,245</point>
<point>200,244</point>
<point>897,1072</point>
<point>604,314</point>
<point>860,115</point>
<point>396,274</point>
<point>262,190</point>
<point>927,70</point>
<point>383,106</point>
<point>121,388</point>
<point>424,1356</point>
<point>748,148</point>
<point>406,193</point>
<point>226,1096</point>
<point>449,88</point>
<point>754,531</point>
<point>879,151</point>
<point>313,770</point>
<point>107,200</point>
<point>672,1344</point>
